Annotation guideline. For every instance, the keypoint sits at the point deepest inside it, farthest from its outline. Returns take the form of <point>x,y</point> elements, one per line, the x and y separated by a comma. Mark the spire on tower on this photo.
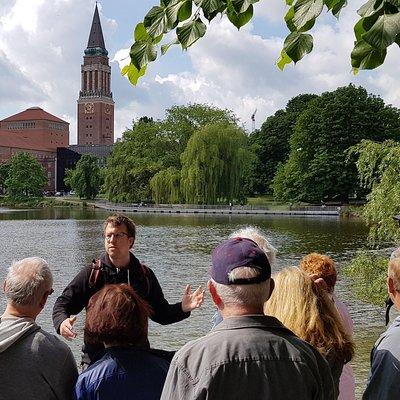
<point>96,43</point>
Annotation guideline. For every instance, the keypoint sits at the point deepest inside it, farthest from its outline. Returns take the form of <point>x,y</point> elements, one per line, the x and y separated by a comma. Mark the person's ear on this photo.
<point>214,295</point>
<point>132,242</point>
<point>43,300</point>
<point>391,286</point>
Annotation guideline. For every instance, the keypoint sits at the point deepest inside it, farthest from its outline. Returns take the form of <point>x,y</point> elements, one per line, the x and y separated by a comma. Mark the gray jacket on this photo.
<point>33,363</point>
<point>384,377</point>
<point>249,357</point>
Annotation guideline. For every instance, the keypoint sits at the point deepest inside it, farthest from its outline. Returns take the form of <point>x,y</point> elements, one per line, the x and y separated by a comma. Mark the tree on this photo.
<point>214,164</point>
<point>379,170</point>
<point>153,149</point>
<point>377,28</point>
<point>4,171</point>
<point>85,178</point>
<point>317,167</point>
<point>26,177</point>
<point>271,142</point>
<point>134,161</point>
<point>165,186</point>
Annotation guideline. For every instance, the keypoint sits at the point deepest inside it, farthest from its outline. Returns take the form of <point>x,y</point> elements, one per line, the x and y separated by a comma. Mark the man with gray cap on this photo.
<point>33,363</point>
<point>248,355</point>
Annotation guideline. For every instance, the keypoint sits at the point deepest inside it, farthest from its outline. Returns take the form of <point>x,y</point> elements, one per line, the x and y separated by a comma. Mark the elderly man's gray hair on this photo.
<point>254,295</point>
<point>258,237</point>
<point>27,280</point>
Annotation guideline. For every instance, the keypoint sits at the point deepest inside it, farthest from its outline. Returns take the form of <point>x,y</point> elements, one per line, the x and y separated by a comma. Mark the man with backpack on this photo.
<point>118,265</point>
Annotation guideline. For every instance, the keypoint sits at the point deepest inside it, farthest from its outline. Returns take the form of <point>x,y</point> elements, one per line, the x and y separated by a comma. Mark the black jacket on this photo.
<point>76,295</point>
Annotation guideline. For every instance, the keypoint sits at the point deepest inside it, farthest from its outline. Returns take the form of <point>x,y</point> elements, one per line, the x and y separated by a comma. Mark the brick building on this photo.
<point>95,103</point>
<point>36,132</point>
<point>46,136</point>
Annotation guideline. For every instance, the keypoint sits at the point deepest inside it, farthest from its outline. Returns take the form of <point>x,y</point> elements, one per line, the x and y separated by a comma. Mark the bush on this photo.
<point>369,272</point>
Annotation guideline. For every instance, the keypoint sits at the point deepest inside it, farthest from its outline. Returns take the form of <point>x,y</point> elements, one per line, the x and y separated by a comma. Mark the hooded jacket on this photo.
<point>33,363</point>
<point>77,294</point>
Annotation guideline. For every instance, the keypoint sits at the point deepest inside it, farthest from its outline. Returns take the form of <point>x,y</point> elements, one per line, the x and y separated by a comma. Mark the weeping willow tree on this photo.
<point>214,165</point>
<point>165,186</point>
<point>378,167</point>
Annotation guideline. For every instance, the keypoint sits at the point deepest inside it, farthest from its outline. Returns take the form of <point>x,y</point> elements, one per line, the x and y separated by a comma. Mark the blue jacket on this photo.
<point>123,373</point>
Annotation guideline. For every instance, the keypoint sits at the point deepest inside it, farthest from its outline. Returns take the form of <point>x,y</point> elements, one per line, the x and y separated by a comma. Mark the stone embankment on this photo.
<point>227,210</point>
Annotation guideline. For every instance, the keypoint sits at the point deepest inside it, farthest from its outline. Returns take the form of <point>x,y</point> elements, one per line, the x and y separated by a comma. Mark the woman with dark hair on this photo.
<point>118,317</point>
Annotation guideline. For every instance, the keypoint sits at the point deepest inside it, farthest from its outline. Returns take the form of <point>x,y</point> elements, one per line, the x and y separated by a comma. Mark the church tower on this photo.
<point>95,103</point>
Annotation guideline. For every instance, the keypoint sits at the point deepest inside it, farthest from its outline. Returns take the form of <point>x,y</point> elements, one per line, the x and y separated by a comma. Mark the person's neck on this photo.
<point>239,311</point>
<point>121,262</point>
<point>19,312</point>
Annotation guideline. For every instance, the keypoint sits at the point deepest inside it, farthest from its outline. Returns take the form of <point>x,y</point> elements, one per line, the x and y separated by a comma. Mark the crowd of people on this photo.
<point>275,336</point>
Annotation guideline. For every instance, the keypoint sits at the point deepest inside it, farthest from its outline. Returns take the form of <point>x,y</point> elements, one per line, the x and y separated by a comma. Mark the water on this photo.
<point>178,248</point>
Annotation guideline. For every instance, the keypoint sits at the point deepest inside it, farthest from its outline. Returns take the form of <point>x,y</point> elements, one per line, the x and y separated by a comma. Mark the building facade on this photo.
<point>95,103</point>
<point>37,132</point>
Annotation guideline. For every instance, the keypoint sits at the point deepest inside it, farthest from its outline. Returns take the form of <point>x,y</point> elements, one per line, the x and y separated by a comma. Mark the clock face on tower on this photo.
<point>107,109</point>
<point>89,108</point>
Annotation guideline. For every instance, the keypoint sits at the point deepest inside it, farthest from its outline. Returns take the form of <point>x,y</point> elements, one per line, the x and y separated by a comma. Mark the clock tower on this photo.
<point>95,103</point>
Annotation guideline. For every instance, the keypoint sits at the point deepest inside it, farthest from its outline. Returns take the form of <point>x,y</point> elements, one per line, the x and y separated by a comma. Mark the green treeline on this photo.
<point>201,154</point>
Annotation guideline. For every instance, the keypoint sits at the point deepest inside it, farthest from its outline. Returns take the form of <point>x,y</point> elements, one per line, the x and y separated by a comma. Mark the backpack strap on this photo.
<point>146,274</point>
<point>94,273</point>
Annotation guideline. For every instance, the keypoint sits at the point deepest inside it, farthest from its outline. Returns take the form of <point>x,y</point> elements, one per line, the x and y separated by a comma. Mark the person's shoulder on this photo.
<point>47,341</point>
<point>390,339</point>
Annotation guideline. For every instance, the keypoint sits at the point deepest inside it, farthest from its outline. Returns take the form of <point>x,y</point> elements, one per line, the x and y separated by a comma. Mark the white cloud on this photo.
<point>42,43</point>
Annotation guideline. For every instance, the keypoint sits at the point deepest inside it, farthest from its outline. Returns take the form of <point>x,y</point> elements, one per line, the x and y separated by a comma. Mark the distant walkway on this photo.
<point>216,209</point>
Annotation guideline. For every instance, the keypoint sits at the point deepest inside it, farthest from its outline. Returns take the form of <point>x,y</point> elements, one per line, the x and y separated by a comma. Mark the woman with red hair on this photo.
<point>118,317</point>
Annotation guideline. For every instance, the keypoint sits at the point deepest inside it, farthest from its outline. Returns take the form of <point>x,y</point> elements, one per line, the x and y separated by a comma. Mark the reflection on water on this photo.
<point>177,248</point>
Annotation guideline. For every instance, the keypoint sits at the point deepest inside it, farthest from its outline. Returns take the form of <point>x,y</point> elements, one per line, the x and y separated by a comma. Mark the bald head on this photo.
<point>27,281</point>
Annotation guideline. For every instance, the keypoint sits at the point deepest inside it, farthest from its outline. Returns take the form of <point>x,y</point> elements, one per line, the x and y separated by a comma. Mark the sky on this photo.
<point>42,44</point>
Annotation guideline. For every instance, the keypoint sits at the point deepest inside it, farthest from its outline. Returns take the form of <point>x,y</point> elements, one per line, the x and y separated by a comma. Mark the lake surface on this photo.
<point>178,248</point>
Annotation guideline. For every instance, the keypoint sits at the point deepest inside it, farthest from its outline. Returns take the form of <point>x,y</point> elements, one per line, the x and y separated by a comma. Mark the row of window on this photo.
<point>21,125</point>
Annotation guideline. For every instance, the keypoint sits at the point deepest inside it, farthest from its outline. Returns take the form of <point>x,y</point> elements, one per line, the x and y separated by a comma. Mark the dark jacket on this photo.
<point>76,295</point>
<point>123,373</point>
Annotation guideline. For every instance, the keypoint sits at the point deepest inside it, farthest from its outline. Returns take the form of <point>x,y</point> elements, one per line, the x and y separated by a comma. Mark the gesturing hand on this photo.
<point>190,300</point>
<point>66,328</point>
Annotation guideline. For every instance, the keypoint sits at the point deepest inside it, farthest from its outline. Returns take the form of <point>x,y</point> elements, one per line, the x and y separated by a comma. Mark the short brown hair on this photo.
<point>117,315</point>
<point>321,266</point>
<point>120,219</point>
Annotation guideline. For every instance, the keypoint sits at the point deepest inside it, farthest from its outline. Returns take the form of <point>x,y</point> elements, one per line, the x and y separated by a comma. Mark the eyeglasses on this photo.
<point>117,236</point>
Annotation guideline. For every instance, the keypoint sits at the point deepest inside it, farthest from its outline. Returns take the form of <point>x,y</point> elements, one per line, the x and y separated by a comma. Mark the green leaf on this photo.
<point>370,7</point>
<point>165,47</point>
<point>156,21</point>
<point>396,3</point>
<point>185,11</point>
<point>140,34</point>
<point>132,72</point>
<point>240,19</point>
<point>157,39</point>
<point>305,11</point>
<point>297,45</point>
<point>171,13</point>
<point>289,19</point>
<point>283,60</point>
<point>240,6</point>
<point>359,29</point>
<point>383,33</point>
<point>125,69</point>
<point>190,32</point>
<point>365,56</point>
<point>142,53</point>
<point>338,7</point>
